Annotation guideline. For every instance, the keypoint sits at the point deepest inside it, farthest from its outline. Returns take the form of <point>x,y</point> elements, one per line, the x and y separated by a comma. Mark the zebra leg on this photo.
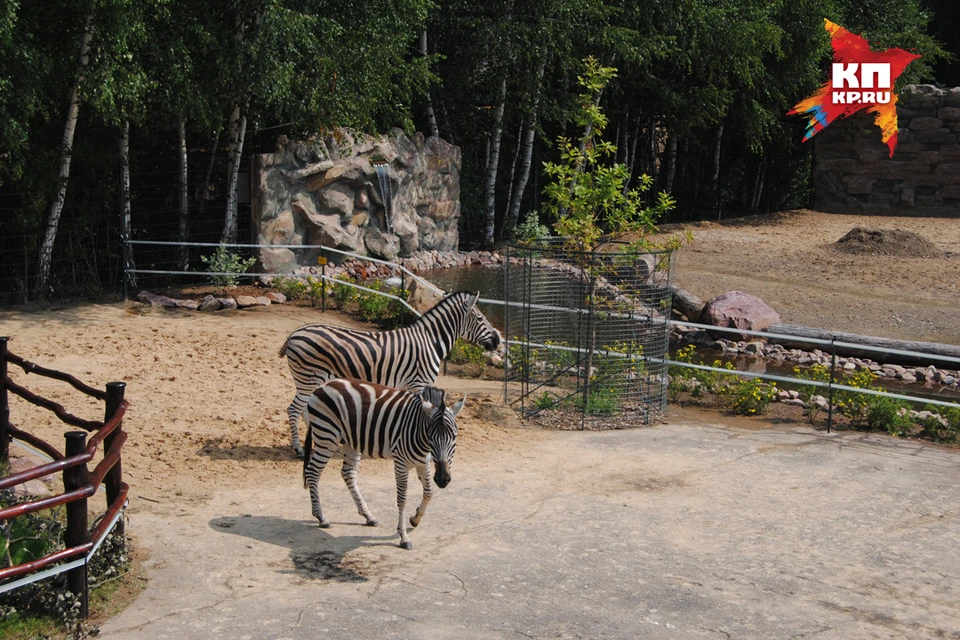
<point>400,467</point>
<point>311,475</point>
<point>351,465</point>
<point>424,472</point>
<point>294,412</point>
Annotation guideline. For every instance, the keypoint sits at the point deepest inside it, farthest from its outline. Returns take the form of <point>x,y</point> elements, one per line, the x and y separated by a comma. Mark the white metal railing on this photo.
<point>832,344</point>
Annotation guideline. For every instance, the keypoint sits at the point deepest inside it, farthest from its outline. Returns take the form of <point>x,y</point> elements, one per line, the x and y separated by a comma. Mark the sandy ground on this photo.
<point>790,261</point>
<point>208,392</point>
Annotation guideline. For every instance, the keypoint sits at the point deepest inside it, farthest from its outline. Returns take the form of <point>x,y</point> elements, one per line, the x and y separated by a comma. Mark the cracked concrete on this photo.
<point>691,529</point>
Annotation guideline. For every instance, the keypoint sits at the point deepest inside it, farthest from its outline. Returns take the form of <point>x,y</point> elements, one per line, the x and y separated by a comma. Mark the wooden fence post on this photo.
<point>114,477</point>
<point>75,478</point>
<point>4,403</point>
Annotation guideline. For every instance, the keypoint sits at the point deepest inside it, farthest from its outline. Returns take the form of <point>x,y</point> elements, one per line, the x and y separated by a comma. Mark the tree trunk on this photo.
<point>431,116</point>
<point>716,168</point>
<point>758,188</point>
<point>490,183</point>
<point>671,162</point>
<point>125,220</point>
<point>513,212</point>
<point>238,128</point>
<point>184,258</point>
<point>202,195</point>
<point>69,129</point>
<point>632,156</point>
<point>512,180</point>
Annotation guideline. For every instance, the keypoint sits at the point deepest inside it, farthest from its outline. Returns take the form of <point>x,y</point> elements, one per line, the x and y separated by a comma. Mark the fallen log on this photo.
<point>884,357</point>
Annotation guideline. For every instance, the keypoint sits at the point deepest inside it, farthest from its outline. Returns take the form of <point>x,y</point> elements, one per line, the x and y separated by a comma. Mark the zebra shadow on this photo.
<point>218,449</point>
<point>315,553</point>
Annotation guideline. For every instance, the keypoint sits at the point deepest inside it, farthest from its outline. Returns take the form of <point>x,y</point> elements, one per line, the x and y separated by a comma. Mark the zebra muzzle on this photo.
<point>442,475</point>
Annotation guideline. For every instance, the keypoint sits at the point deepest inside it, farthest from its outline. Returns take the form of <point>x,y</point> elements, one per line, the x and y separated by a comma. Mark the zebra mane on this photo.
<point>450,299</point>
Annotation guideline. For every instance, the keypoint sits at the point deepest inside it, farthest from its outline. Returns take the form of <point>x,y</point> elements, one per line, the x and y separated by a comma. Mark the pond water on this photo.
<point>488,280</point>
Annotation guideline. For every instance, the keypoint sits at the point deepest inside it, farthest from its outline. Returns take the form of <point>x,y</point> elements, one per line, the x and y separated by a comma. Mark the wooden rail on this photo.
<point>80,483</point>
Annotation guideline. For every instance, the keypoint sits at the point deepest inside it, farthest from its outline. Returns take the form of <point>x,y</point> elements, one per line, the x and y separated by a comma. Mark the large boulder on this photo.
<point>738,310</point>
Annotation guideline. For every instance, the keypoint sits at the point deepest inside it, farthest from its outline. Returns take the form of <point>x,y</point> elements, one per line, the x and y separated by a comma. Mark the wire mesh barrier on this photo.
<point>587,334</point>
<point>81,543</point>
<point>87,258</point>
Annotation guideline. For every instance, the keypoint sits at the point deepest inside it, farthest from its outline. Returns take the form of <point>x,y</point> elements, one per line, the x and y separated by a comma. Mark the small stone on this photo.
<point>209,303</point>
<point>276,297</point>
<point>908,377</point>
<point>156,301</point>
<point>849,366</point>
<point>263,301</point>
<point>227,304</point>
<point>797,402</point>
<point>496,360</point>
<point>246,301</point>
<point>949,380</point>
<point>190,305</point>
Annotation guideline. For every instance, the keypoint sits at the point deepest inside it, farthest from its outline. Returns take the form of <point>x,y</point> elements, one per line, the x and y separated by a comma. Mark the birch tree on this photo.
<point>69,130</point>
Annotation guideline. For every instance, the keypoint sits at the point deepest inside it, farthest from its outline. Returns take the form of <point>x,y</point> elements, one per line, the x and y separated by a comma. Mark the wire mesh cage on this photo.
<point>587,334</point>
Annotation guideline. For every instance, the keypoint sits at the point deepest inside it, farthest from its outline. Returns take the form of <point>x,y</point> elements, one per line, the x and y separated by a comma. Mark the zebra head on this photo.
<point>476,328</point>
<point>441,432</point>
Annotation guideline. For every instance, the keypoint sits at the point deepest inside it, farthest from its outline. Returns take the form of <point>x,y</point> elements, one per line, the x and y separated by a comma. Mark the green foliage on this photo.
<point>752,397</point>
<point>888,414</point>
<point>464,352</point>
<point>225,261</point>
<point>852,404</point>
<point>816,373</point>
<point>292,288</point>
<point>530,230</point>
<point>31,536</point>
<point>587,194</point>
<point>545,400</point>
<point>342,294</point>
<point>943,425</point>
<point>374,307</point>
<point>601,400</point>
<point>681,378</point>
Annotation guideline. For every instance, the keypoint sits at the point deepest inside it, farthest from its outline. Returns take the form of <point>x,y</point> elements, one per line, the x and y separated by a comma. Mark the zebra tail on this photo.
<point>307,450</point>
<point>283,349</point>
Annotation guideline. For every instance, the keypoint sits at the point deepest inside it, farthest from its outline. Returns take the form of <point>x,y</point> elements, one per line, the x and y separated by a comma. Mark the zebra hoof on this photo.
<point>406,545</point>
<point>414,523</point>
<point>298,451</point>
<point>372,523</point>
<point>324,524</point>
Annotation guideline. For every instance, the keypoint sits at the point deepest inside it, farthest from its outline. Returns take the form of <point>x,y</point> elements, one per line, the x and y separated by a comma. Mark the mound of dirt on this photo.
<point>887,242</point>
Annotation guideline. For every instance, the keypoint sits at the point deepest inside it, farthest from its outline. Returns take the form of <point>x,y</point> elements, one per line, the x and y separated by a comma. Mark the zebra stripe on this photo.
<point>379,422</point>
<point>407,358</point>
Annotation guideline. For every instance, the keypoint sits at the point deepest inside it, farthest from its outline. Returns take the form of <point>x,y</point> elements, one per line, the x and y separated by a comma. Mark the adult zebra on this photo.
<point>407,358</point>
<point>379,422</point>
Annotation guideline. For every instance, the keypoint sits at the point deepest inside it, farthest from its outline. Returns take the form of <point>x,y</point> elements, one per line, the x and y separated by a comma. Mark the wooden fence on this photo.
<point>79,481</point>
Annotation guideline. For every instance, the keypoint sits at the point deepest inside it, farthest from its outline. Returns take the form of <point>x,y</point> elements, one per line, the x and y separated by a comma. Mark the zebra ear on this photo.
<point>471,300</point>
<point>457,408</point>
<point>432,396</point>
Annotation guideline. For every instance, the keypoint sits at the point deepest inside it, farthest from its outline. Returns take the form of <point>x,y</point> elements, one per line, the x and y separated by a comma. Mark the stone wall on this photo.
<point>853,172</point>
<point>327,192</point>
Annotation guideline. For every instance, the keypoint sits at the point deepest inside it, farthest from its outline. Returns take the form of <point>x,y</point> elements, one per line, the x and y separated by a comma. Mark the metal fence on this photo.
<point>587,333</point>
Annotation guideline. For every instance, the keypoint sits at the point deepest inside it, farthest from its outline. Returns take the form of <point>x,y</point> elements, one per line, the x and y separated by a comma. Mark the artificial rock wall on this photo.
<point>328,192</point>
<point>852,170</point>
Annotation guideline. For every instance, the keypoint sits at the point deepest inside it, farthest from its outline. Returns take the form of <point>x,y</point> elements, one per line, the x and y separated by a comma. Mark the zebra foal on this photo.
<point>406,358</point>
<point>379,422</point>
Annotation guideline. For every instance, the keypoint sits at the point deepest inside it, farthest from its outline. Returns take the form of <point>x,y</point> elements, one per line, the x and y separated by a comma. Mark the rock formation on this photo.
<point>327,192</point>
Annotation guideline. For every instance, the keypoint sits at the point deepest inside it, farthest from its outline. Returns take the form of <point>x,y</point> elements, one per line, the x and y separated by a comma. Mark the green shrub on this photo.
<point>888,414</point>
<point>854,405</point>
<point>816,373</point>
<point>342,294</point>
<point>530,230</point>
<point>31,536</point>
<point>753,397</point>
<point>601,400</point>
<point>292,288</point>
<point>545,400</point>
<point>943,426</point>
<point>225,261</point>
<point>466,353</point>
